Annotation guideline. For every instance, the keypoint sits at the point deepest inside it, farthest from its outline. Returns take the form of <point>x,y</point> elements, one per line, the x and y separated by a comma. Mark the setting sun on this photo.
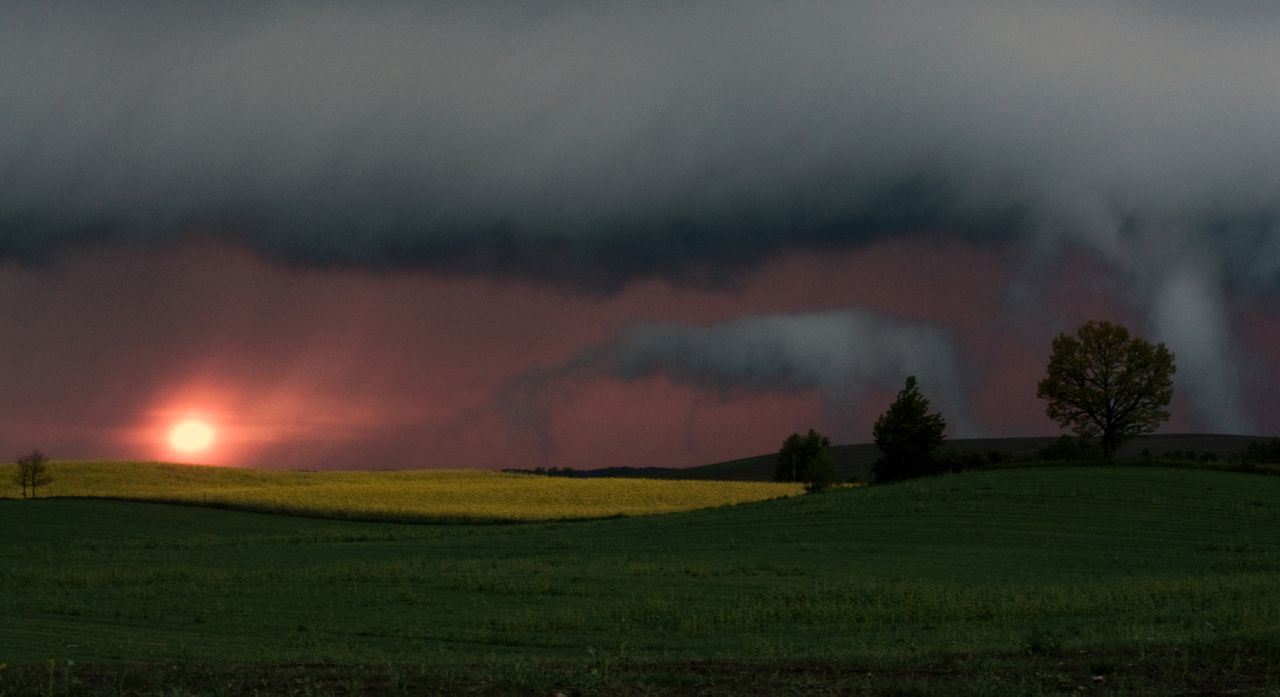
<point>191,436</point>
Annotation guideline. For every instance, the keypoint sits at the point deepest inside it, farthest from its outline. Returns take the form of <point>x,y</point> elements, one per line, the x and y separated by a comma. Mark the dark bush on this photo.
<point>806,459</point>
<point>821,474</point>
<point>1261,452</point>
<point>1070,448</point>
<point>959,461</point>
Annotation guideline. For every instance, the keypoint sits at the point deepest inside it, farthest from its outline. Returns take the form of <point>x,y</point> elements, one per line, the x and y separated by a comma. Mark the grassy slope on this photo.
<point>985,562</point>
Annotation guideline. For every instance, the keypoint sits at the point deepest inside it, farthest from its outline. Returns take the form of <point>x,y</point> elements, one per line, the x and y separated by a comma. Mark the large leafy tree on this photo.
<point>907,435</point>
<point>1104,383</point>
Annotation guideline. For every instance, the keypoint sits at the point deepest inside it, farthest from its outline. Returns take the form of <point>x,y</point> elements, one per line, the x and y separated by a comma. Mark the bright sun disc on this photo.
<point>191,436</point>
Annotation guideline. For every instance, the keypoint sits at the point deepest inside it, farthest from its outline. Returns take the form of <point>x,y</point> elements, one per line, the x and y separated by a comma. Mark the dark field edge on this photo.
<point>1238,667</point>
<point>335,515</point>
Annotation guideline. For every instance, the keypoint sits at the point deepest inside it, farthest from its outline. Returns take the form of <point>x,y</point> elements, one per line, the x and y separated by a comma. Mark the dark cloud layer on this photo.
<point>592,144</point>
<point>584,144</point>
<point>597,143</point>
<point>631,138</point>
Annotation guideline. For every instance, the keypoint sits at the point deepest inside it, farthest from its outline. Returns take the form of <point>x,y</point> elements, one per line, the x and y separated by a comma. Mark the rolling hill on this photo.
<point>1143,575</point>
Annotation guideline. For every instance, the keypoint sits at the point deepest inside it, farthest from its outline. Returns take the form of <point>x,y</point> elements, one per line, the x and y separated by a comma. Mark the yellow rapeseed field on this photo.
<point>411,495</point>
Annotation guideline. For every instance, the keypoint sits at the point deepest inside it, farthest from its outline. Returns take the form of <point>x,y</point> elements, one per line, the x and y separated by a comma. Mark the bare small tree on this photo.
<point>33,472</point>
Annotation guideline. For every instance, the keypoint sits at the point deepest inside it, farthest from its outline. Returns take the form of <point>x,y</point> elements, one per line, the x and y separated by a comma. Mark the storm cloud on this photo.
<point>589,145</point>
<point>595,143</point>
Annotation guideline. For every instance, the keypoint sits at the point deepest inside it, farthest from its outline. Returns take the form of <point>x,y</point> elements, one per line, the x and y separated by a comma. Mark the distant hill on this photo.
<point>855,461</point>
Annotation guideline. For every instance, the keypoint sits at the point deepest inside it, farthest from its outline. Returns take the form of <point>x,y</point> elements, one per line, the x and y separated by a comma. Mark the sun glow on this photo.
<point>191,436</point>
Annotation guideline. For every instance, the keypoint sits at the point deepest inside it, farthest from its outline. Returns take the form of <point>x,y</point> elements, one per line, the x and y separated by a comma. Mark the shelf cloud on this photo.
<point>588,144</point>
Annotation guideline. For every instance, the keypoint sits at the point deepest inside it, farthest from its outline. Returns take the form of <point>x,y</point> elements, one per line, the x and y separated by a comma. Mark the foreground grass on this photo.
<point>1015,582</point>
<point>1233,668</point>
<point>404,496</point>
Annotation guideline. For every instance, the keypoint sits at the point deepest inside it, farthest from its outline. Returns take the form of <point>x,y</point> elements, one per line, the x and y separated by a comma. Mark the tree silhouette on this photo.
<point>1104,383</point>
<point>821,474</point>
<point>806,459</point>
<point>33,472</point>
<point>907,435</point>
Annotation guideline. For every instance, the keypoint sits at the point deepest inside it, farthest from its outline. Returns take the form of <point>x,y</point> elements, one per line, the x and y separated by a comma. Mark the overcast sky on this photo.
<point>591,234</point>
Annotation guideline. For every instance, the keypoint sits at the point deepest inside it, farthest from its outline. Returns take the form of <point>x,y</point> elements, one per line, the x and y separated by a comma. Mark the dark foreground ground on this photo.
<point>1054,580</point>
<point>1229,669</point>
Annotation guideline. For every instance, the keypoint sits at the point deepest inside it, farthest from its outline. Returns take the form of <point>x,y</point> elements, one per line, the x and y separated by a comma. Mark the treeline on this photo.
<point>804,458</point>
<point>1261,452</point>
<point>1077,449</point>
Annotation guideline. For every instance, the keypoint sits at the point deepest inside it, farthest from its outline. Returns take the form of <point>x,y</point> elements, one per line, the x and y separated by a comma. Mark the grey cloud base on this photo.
<point>837,353</point>
<point>840,354</point>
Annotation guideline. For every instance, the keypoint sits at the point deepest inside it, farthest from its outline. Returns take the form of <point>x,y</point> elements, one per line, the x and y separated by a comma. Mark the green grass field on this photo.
<point>1034,581</point>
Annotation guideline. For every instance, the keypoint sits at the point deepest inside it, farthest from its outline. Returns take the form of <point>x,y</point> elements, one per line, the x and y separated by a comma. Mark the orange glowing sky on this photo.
<point>192,436</point>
